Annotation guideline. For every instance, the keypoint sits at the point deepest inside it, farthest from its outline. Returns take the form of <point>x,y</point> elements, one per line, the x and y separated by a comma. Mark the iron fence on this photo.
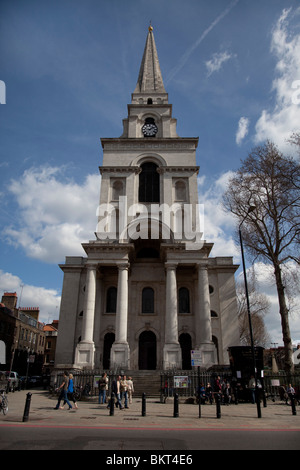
<point>185,382</point>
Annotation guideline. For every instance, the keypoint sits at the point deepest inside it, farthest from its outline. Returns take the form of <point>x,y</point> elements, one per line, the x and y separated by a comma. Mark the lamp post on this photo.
<point>251,208</point>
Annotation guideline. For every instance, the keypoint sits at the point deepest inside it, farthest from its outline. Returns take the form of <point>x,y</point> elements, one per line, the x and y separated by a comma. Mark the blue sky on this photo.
<point>68,68</point>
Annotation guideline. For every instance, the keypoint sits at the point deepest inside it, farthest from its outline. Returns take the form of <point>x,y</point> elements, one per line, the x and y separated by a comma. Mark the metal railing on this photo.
<point>185,382</point>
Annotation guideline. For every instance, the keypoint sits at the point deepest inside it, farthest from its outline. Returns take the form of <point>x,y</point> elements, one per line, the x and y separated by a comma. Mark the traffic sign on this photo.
<point>196,357</point>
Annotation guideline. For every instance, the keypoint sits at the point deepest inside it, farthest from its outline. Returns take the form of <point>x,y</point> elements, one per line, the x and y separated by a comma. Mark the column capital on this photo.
<point>202,266</point>
<point>123,265</point>
<point>171,264</point>
<point>91,267</point>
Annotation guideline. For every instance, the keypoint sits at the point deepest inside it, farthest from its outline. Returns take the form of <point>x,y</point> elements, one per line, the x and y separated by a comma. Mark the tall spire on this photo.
<point>150,78</point>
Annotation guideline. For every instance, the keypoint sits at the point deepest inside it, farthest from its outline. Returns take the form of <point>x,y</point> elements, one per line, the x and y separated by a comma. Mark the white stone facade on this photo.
<point>147,292</point>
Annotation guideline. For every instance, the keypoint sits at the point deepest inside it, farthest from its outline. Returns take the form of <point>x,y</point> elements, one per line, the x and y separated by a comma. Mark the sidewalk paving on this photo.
<point>276,416</point>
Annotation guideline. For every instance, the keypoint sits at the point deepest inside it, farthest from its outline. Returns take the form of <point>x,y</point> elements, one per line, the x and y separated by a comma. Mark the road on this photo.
<point>35,437</point>
<point>92,427</point>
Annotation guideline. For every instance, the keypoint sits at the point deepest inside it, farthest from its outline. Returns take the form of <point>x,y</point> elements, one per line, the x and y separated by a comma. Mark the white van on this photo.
<point>12,378</point>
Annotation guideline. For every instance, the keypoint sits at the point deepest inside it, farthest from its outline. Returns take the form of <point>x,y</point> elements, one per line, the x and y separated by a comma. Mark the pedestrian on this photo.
<point>227,394</point>
<point>252,386</point>
<point>64,392</point>
<point>290,393</point>
<point>201,394</point>
<point>290,390</point>
<point>71,391</point>
<point>218,387</point>
<point>130,389</point>
<point>209,393</point>
<point>124,391</point>
<point>103,387</point>
<point>116,391</point>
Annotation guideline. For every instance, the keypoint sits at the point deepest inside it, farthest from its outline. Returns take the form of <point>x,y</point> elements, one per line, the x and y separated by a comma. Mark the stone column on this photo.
<point>172,349</point>
<point>122,304</point>
<point>203,318</point>
<point>85,351</point>
<point>120,353</point>
<point>203,314</point>
<point>89,306</point>
<point>171,323</point>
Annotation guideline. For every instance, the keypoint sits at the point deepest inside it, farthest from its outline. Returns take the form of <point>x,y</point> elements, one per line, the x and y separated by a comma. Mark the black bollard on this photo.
<point>294,412</point>
<point>27,407</point>
<point>144,404</point>
<point>112,404</point>
<point>218,405</point>
<point>176,406</point>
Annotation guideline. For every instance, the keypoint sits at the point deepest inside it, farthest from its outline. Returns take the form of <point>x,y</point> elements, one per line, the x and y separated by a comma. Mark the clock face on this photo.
<point>149,130</point>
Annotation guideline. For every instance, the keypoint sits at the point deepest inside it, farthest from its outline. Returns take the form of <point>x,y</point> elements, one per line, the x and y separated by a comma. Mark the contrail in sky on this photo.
<point>189,52</point>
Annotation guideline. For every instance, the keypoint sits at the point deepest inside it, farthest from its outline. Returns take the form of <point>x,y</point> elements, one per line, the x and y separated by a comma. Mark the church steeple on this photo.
<point>149,114</point>
<point>150,77</point>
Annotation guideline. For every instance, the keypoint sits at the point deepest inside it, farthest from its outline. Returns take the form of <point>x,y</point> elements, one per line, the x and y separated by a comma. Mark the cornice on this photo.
<point>164,143</point>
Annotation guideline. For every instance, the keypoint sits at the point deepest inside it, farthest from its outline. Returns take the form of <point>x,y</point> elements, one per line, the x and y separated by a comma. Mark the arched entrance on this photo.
<point>147,351</point>
<point>109,339</point>
<point>185,341</point>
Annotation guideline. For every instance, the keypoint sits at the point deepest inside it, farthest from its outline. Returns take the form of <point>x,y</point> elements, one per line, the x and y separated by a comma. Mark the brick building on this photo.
<point>23,336</point>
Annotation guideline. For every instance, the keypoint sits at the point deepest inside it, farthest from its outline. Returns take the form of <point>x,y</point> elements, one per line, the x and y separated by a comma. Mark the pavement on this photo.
<point>276,416</point>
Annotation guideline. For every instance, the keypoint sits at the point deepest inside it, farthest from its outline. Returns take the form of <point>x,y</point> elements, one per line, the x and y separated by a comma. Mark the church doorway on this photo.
<point>109,339</point>
<point>185,341</point>
<point>147,351</point>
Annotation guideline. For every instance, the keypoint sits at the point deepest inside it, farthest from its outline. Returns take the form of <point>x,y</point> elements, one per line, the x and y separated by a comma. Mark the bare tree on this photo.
<point>269,182</point>
<point>295,140</point>
<point>259,307</point>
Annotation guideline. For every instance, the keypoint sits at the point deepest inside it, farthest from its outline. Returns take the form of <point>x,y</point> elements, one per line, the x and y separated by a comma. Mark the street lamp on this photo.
<point>251,209</point>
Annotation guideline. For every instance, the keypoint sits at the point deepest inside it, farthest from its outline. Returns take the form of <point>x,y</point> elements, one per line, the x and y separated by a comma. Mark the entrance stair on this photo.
<point>145,381</point>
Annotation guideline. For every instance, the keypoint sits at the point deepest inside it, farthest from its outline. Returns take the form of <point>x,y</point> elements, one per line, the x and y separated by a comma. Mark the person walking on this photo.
<point>252,386</point>
<point>71,391</point>
<point>116,390</point>
<point>209,393</point>
<point>103,387</point>
<point>64,392</point>
<point>218,387</point>
<point>130,389</point>
<point>124,391</point>
<point>290,393</point>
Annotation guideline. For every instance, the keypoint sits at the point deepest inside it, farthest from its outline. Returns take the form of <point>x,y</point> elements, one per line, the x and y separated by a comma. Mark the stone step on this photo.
<point>148,382</point>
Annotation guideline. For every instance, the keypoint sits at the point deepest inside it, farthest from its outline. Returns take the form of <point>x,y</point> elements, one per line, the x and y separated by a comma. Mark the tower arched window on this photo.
<point>148,300</point>
<point>117,190</point>
<point>111,300</point>
<point>184,300</point>
<point>149,183</point>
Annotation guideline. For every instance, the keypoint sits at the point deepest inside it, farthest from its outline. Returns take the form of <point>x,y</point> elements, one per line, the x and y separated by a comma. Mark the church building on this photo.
<point>147,292</point>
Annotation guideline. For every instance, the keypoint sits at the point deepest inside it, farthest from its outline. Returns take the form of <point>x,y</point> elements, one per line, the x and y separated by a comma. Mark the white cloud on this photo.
<point>218,59</point>
<point>218,224</point>
<point>48,300</point>
<point>280,122</point>
<point>242,130</point>
<point>55,215</point>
